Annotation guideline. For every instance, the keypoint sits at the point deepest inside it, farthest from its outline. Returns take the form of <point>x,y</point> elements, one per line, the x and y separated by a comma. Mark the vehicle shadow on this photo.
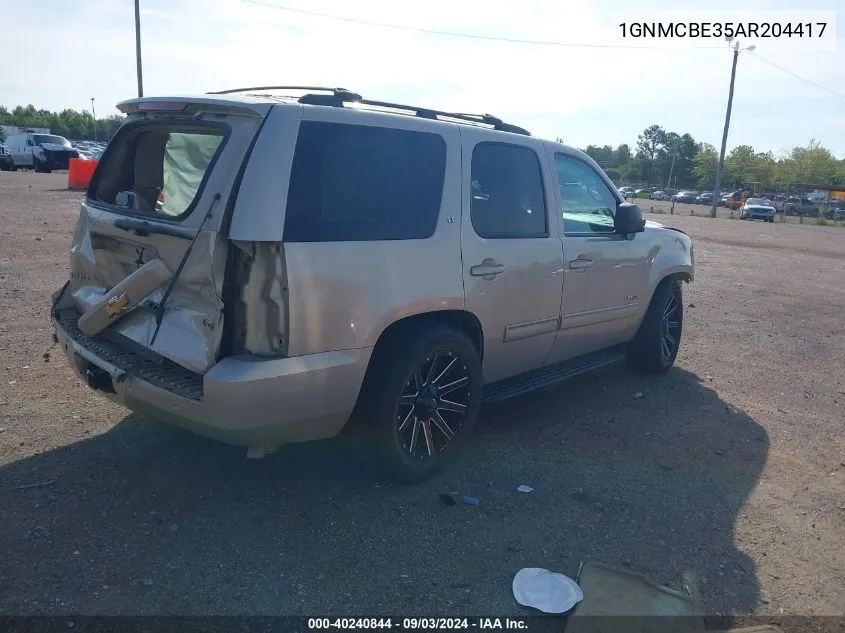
<point>649,473</point>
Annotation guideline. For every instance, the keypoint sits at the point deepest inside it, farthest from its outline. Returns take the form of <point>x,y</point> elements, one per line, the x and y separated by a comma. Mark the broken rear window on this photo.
<point>157,168</point>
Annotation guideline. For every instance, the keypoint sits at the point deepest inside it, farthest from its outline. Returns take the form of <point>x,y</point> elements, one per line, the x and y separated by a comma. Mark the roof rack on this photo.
<point>340,96</point>
<point>334,91</point>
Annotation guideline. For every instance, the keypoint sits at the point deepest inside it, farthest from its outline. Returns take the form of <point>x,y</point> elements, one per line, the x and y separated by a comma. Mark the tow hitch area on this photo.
<point>96,377</point>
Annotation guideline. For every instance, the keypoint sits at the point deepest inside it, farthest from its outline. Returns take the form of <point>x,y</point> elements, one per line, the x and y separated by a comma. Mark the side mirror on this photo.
<point>628,219</point>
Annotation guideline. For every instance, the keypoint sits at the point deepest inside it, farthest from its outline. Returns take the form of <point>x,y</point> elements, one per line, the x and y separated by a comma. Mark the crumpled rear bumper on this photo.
<point>242,400</point>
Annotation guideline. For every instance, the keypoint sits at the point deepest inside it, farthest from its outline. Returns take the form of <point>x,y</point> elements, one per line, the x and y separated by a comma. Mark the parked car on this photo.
<point>281,327</point>
<point>836,213</point>
<point>6,162</point>
<point>800,206</point>
<point>645,194</point>
<point>41,152</point>
<point>659,195</point>
<point>626,192</point>
<point>705,198</point>
<point>757,209</point>
<point>688,197</point>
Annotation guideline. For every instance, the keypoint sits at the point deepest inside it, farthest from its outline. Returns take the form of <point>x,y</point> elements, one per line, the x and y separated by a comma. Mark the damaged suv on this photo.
<point>271,269</point>
<point>41,152</point>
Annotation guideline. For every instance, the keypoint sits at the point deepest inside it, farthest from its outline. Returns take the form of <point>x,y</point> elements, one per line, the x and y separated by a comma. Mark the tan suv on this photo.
<point>265,269</point>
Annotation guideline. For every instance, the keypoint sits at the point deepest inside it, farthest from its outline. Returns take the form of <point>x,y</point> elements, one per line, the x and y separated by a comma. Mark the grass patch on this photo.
<point>821,221</point>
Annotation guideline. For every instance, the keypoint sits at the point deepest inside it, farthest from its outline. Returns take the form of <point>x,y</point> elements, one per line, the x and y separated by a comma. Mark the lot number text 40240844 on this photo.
<point>417,624</point>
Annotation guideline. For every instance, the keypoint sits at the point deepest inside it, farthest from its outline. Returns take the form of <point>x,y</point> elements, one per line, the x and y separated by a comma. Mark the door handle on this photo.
<point>580,264</point>
<point>487,268</point>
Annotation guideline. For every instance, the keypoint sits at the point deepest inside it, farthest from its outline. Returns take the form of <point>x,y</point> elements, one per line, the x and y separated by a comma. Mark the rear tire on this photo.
<point>419,403</point>
<point>654,348</point>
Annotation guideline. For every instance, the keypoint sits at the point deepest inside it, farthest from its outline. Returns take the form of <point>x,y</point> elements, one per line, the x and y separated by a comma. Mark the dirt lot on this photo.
<point>727,476</point>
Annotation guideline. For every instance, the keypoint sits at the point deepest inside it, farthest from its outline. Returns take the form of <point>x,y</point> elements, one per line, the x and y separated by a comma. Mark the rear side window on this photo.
<point>157,169</point>
<point>361,183</point>
<point>507,192</point>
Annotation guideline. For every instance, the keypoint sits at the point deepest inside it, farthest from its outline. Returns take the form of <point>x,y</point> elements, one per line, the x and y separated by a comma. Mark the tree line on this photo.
<point>72,124</point>
<point>660,158</point>
<point>660,155</point>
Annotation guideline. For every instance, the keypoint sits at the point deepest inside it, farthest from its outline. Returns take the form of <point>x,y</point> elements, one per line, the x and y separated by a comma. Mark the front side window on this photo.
<point>362,183</point>
<point>157,169</point>
<point>507,192</point>
<point>588,204</point>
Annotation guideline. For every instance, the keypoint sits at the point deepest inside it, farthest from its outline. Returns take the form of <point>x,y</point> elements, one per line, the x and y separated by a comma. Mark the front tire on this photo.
<point>654,348</point>
<point>420,403</point>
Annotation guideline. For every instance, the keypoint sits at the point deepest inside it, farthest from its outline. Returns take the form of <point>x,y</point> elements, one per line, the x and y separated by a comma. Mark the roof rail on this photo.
<point>427,113</point>
<point>339,96</point>
<point>336,92</point>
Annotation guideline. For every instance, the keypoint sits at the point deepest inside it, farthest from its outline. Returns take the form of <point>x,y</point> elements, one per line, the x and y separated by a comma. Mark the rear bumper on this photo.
<point>242,400</point>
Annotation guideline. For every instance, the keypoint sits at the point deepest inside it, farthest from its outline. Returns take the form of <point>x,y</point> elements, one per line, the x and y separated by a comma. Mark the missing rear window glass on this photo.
<point>157,169</point>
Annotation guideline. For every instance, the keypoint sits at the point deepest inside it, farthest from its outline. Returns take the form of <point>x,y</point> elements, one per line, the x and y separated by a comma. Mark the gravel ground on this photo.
<point>726,476</point>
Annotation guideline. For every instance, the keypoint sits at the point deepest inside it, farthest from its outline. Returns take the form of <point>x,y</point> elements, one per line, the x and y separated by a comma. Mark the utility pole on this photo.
<point>138,48</point>
<point>717,194</point>
<point>672,168</point>
<point>94,117</point>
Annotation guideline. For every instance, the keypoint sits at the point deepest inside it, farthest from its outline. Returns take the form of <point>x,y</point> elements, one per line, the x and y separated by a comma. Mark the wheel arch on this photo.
<point>462,320</point>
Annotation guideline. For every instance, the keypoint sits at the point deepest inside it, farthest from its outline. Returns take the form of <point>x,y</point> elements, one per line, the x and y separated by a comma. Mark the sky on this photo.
<point>70,52</point>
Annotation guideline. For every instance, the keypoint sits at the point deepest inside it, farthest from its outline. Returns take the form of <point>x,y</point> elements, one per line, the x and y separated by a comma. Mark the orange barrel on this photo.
<point>79,173</point>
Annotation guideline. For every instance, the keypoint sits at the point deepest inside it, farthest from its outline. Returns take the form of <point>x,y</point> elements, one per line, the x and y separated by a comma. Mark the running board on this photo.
<point>546,376</point>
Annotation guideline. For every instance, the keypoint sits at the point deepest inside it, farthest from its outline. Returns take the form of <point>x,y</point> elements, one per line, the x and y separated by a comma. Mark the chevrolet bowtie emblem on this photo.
<point>116,305</point>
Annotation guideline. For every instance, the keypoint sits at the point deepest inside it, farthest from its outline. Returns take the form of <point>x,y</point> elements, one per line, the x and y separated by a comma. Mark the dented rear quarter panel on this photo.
<point>343,295</point>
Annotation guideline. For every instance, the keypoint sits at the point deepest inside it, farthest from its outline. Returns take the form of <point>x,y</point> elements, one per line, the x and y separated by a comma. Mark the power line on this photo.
<point>491,38</point>
<point>804,79</point>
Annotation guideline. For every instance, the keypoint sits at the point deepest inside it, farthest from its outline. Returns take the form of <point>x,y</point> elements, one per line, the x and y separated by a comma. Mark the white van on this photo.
<point>41,152</point>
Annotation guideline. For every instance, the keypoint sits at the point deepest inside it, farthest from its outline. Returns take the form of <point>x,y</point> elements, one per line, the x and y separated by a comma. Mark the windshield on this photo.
<point>759,202</point>
<point>40,139</point>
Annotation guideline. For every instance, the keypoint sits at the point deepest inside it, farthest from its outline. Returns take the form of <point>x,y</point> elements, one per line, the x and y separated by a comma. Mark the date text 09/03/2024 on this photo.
<point>418,624</point>
<point>706,30</point>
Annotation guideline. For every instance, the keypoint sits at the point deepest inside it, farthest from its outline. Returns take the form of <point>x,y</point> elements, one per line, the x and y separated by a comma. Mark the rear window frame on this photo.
<point>131,126</point>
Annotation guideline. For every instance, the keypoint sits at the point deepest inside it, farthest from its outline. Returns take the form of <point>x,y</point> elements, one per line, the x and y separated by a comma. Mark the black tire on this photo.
<point>36,165</point>
<point>398,385</point>
<point>654,348</point>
